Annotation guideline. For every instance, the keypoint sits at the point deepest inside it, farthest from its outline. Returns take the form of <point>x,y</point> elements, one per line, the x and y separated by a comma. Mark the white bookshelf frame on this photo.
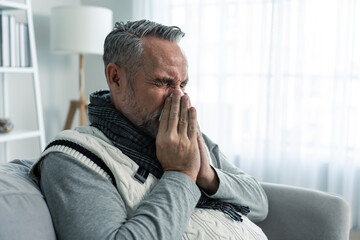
<point>5,74</point>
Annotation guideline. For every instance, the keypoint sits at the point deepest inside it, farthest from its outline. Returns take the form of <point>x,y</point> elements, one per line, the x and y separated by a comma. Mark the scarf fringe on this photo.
<point>234,211</point>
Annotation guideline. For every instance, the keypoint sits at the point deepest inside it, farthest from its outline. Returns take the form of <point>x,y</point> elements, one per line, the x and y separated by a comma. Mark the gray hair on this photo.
<point>123,45</point>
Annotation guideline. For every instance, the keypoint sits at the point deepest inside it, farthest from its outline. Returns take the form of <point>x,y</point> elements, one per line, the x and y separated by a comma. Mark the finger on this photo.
<point>202,150</point>
<point>163,126</point>
<point>174,112</point>
<point>192,126</point>
<point>198,131</point>
<point>185,93</point>
<point>201,142</point>
<point>184,115</point>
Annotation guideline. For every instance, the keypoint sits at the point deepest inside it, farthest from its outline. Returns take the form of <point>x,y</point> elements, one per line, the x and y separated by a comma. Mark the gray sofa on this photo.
<point>294,213</point>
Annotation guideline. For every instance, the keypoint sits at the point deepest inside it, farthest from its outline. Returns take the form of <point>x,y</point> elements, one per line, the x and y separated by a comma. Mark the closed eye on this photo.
<point>169,83</point>
<point>164,82</point>
<point>184,83</point>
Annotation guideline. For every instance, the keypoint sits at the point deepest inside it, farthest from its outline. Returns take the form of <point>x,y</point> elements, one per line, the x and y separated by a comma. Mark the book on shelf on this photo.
<point>24,45</point>
<point>17,44</point>
<point>5,40</point>
<point>14,41</point>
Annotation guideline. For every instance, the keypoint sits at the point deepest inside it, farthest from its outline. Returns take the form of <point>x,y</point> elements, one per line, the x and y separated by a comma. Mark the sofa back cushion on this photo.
<point>23,211</point>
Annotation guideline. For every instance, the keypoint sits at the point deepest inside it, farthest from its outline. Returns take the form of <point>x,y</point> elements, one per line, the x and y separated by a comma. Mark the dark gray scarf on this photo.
<point>141,148</point>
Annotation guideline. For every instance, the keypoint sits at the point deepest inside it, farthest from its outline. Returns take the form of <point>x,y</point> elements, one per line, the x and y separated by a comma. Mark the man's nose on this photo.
<point>177,89</point>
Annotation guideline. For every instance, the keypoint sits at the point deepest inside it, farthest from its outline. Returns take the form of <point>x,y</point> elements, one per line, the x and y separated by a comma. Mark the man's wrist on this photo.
<point>209,184</point>
<point>182,180</point>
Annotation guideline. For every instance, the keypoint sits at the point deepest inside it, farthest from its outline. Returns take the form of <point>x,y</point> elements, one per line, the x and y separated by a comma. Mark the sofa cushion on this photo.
<point>23,210</point>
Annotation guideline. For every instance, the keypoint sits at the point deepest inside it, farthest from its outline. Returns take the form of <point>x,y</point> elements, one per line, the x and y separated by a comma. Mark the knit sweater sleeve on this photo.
<point>85,205</point>
<point>237,186</point>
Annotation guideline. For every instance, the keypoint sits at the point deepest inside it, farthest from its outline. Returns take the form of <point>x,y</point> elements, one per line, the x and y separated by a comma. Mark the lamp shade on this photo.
<point>79,29</point>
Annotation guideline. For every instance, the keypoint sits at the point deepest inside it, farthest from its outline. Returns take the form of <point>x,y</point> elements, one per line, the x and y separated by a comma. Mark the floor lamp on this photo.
<point>79,30</point>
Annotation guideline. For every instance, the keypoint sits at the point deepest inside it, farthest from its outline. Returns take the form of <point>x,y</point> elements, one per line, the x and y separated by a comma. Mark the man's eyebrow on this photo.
<point>165,80</point>
<point>170,81</point>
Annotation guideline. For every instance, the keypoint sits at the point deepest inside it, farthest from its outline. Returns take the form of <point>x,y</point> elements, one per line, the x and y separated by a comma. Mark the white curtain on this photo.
<point>276,85</point>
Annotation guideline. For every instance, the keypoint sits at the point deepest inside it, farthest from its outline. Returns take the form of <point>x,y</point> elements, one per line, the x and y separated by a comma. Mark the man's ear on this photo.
<point>115,76</point>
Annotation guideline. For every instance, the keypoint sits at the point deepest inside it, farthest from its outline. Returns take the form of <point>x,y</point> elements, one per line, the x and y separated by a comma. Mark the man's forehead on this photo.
<point>164,58</point>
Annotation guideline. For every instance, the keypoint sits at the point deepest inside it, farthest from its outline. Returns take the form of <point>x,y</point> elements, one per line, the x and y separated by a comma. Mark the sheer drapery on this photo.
<point>277,85</point>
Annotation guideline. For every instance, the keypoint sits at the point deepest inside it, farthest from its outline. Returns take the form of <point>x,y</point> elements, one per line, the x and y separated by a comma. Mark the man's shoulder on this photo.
<point>85,131</point>
<point>84,135</point>
<point>82,143</point>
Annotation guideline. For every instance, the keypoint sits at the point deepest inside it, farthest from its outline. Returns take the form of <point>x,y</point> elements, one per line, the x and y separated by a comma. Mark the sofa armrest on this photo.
<point>299,213</point>
<point>23,210</point>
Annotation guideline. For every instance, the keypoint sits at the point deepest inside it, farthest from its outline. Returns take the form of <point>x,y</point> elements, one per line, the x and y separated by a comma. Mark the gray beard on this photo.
<point>146,122</point>
<point>150,124</point>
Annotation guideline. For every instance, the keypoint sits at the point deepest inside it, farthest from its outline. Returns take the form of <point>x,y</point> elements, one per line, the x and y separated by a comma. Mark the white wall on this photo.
<point>58,75</point>
<point>94,67</point>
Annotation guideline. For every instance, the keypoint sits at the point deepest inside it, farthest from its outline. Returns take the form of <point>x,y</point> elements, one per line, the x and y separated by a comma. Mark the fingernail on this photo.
<point>184,98</point>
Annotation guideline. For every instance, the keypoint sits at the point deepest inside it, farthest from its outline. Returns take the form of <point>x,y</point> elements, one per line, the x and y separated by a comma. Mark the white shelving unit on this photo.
<point>6,74</point>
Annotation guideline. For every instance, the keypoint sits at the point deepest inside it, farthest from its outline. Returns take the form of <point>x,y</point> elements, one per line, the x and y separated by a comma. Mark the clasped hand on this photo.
<point>179,144</point>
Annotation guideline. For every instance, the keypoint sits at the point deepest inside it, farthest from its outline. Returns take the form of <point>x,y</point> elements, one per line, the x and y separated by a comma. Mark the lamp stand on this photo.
<point>81,103</point>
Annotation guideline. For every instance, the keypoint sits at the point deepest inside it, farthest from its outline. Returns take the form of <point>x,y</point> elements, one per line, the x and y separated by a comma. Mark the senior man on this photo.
<point>143,169</point>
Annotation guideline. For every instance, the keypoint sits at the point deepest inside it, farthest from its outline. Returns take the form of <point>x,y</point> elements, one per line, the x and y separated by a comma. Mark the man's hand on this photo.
<point>176,142</point>
<point>207,178</point>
